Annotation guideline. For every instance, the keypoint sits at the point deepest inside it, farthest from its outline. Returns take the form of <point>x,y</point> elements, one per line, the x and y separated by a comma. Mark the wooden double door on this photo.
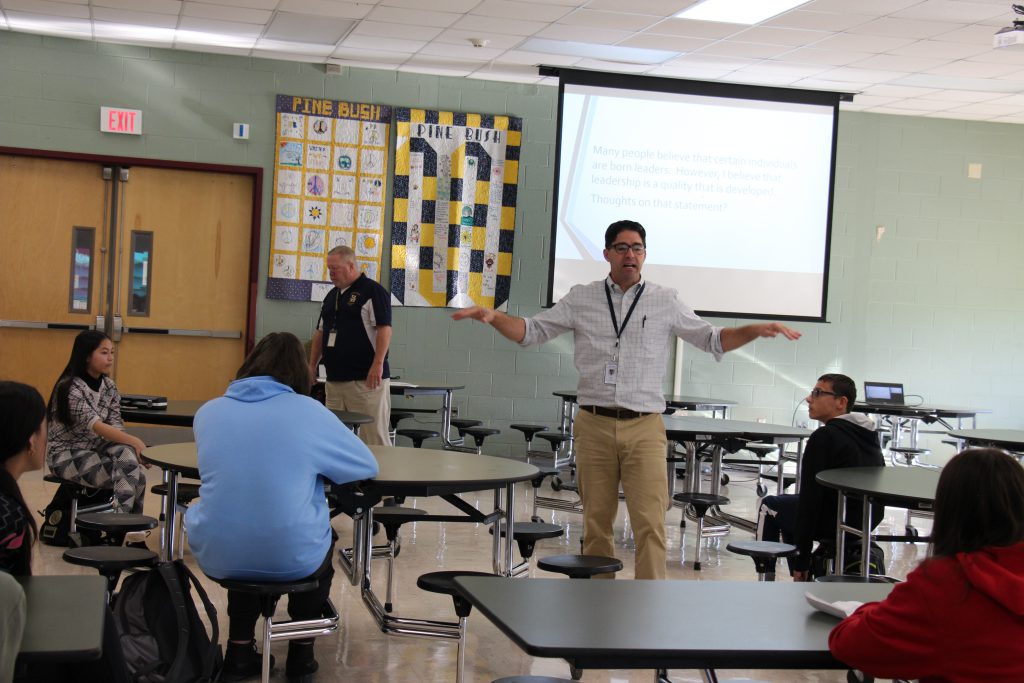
<point>157,257</point>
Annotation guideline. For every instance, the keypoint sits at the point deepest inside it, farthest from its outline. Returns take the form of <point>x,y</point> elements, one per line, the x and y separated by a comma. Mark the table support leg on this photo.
<point>170,510</point>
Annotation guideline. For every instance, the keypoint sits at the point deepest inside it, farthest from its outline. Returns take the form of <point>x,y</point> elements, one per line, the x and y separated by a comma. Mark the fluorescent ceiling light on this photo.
<point>53,26</point>
<point>738,11</point>
<point>607,53</point>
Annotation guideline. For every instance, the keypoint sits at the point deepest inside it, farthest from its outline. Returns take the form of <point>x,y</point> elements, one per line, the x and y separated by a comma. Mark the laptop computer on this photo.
<point>883,393</point>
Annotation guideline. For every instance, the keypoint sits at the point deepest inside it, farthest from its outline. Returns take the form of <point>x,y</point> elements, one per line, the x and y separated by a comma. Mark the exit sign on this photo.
<point>114,120</point>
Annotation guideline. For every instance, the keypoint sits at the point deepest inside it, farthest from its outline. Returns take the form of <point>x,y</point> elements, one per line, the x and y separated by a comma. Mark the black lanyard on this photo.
<point>629,313</point>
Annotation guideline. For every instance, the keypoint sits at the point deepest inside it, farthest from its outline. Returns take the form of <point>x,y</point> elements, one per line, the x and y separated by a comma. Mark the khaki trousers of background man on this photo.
<point>356,398</point>
<point>631,451</point>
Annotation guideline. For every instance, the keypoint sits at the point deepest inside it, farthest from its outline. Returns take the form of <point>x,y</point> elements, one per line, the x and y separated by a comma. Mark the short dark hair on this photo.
<point>23,413</point>
<point>85,343</point>
<point>842,386</point>
<point>621,226</point>
<point>279,355</point>
<point>979,502</point>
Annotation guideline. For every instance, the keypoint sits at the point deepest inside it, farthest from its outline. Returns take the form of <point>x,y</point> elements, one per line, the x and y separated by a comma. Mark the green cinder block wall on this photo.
<point>936,303</point>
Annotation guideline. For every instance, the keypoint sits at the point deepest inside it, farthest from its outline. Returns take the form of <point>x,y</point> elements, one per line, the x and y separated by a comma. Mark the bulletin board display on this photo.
<point>330,185</point>
<point>454,213</point>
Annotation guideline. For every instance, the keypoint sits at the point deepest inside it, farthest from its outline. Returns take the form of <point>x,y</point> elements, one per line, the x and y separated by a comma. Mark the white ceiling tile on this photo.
<point>612,20</point>
<point>962,83</point>
<point>213,27</point>
<point>380,43</point>
<point>673,43</point>
<point>973,35</point>
<point>871,101</point>
<point>792,70</point>
<point>538,58</point>
<point>899,63</point>
<point>960,116</point>
<point>987,108</point>
<point>582,34</point>
<point>814,55</point>
<point>855,43</point>
<point>818,83</point>
<point>505,74</point>
<point>734,48</point>
<point>921,104</point>
<point>849,73</point>
<point>903,28</point>
<point>404,31</point>
<point>154,6</point>
<point>617,67</point>
<point>659,8</point>
<point>42,7</point>
<point>689,72</point>
<point>397,15</point>
<point>970,69</point>
<point>459,6</point>
<point>898,91</point>
<point>890,109</point>
<point>350,55</point>
<point>494,40</point>
<point>1003,56</point>
<point>961,96</point>
<point>515,27</point>
<point>285,46</point>
<point>120,16</point>
<point>941,49</point>
<point>868,7</point>
<point>440,65</point>
<point>298,27</point>
<point>748,78</point>
<point>708,61</point>
<point>781,36</point>
<point>952,11</point>
<point>695,29</point>
<point>251,4</point>
<point>223,49</point>
<point>224,13</point>
<point>509,9</point>
<point>1016,100</point>
<point>467,51</point>
<point>327,8</point>
<point>818,21</point>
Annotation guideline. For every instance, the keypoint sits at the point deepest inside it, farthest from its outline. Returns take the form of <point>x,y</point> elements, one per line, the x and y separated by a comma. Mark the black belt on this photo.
<point>617,413</point>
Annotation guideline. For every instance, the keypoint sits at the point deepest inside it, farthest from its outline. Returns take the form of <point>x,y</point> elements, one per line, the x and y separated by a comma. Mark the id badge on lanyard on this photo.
<point>611,368</point>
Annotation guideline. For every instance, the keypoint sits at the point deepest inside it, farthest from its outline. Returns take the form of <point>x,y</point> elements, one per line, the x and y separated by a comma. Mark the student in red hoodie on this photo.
<point>960,615</point>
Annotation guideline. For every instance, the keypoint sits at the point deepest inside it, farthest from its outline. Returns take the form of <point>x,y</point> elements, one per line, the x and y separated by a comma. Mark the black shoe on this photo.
<point>301,665</point>
<point>242,661</point>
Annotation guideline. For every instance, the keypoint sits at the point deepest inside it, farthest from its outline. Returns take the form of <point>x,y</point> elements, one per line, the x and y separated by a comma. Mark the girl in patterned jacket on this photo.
<point>87,441</point>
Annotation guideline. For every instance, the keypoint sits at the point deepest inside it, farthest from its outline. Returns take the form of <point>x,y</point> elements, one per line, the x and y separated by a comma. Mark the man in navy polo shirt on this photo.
<point>352,336</point>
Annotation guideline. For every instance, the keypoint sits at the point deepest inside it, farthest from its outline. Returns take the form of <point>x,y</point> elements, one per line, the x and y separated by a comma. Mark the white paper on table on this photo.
<point>403,384</point>
<point>840,608</point>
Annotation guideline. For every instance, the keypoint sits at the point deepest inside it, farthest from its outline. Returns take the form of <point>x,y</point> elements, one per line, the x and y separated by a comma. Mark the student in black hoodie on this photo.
<point>845,439</point>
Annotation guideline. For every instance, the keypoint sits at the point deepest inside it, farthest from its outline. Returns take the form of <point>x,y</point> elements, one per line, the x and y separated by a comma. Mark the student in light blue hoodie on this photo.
<point>265,449</point>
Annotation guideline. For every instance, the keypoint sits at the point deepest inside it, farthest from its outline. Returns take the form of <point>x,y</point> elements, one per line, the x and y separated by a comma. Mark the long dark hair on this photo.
<point>86,342</point>
<point>979,502</point>
<point>23,412</point>
<point>281,356</point>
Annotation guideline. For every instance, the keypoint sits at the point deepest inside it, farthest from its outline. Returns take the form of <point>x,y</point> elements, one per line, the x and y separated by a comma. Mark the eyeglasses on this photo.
<point>818,393</point>
<point>622,248</point>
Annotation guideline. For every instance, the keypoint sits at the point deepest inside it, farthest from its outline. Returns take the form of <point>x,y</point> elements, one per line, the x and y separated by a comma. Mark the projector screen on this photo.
<point>733,184</point>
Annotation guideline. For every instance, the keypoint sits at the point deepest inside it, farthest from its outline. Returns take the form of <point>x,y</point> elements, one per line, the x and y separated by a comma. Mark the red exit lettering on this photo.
<point>120,120</point>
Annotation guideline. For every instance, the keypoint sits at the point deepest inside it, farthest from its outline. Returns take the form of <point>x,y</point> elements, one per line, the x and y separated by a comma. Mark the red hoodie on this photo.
<point>954,619</point>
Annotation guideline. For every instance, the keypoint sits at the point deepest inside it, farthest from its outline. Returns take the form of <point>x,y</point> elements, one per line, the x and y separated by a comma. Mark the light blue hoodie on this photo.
<point>263,454</point>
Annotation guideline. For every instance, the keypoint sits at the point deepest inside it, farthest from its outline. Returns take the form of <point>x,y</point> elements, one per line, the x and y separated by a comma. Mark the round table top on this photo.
<point>1012,439</point>
<point>419,469</point>
<point>898,485</point>
<point>177,413</point>
<point>684,426</point>
<point>424,389</point>
<point>689,402</point>
<point>920,411</point>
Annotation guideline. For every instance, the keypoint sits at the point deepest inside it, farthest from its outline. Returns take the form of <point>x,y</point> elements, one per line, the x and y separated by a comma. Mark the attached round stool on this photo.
<point>397,416</point>
<point>392,517</point>
<point>461,424</point>
<point>112,526</point>
<point>761,451</point>
<point>528,431</point>
<point>764,553</point>
<point>269,594</point>
<point>479,434</point>
<point>556,439</point>
<point>444,582</point>
<point>418,436</point>
<point>526,535</point>
<point>535,483</point>
<point>78,492</point>
<point>701,503</point>
<point>855,578</point>
<point>579,566</point>
<point>187,491</point>
<point>110,560</point>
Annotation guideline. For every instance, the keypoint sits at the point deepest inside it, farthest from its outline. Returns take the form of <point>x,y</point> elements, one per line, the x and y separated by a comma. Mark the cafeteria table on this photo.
<point>65,617</point>
<point>1007,439</point>
<point>906,487</point>
<point>665,625</point>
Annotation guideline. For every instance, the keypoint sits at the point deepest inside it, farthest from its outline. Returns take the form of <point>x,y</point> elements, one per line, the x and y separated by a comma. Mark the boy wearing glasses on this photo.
<point>624,328</point>
<point>845,439</point>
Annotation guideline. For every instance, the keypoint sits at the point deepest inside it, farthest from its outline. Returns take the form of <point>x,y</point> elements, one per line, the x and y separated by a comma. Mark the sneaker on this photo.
<point>242,661</point>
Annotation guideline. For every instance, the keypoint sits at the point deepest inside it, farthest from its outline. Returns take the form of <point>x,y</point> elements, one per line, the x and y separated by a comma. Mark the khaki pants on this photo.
<point>355,397</point>
<point>631,451</point>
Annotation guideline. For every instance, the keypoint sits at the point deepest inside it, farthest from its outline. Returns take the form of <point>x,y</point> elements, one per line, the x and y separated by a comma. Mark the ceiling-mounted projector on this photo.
<point>1011,36</point>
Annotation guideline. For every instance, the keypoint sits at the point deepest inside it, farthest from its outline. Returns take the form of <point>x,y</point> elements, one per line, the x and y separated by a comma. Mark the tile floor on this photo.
<point>360,653</point>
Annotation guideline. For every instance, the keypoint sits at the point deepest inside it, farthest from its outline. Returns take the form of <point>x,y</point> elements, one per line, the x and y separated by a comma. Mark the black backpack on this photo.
<point>162,636</point>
